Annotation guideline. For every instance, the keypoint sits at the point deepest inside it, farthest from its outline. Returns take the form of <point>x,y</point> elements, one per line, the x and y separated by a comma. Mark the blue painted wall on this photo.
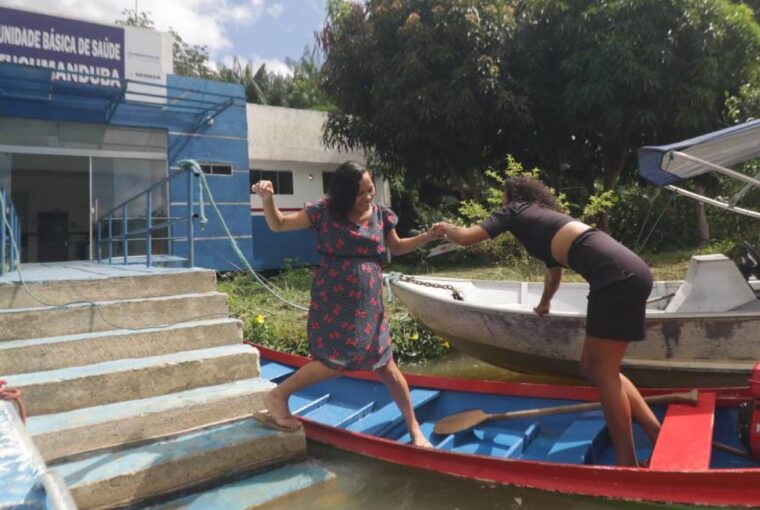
<point>29,93</point>
<point>223,141</point>
<point>275,250</point>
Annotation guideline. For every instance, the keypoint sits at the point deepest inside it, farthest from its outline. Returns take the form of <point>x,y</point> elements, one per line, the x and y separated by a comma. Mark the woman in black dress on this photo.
<point>619,285</point>
<point>347,324</point>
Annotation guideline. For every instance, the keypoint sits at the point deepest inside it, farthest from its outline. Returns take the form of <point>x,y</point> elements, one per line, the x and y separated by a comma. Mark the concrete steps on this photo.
<point>66,389</point>
<point>22,323</point>
<point>113,479</point>
<point>254,491</point>
<point>146,396</point>
<point>48,353</point>
<point>102,283</point>
<point>71,433</point>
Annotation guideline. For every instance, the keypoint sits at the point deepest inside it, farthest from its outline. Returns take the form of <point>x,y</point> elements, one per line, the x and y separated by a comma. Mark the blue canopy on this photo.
<point>661,164</point>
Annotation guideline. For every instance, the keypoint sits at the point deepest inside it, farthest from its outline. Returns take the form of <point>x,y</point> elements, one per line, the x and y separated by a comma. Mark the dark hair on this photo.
<point>527,189</point>
<point>344,186</point>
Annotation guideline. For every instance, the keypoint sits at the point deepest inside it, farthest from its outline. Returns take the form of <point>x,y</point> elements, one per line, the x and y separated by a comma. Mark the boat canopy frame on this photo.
<point>713,152</point>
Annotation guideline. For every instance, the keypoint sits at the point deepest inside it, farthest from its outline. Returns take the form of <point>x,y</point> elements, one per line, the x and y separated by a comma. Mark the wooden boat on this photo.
<point>495,322</point>
<point>569,452</point>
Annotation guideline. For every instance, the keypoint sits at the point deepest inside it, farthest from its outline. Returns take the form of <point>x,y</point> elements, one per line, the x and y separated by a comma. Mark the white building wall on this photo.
<point>290,139</point>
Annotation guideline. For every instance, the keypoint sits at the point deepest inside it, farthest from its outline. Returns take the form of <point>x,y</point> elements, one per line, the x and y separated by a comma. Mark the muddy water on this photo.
<point>367,484</point>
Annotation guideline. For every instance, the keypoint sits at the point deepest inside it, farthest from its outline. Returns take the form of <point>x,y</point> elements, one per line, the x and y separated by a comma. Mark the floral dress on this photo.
<point>348,328</point>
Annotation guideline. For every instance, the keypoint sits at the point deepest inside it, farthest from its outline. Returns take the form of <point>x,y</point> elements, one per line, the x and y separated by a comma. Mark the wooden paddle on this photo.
<point>468,419</point>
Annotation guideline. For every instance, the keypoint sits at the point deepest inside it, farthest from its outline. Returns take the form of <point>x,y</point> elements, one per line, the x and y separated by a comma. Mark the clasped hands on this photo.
<point>439,230</point>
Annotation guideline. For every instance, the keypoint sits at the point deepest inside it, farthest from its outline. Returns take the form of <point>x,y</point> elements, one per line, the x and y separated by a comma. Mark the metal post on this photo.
<point>124,232</point>
<point>2,236</point>
<point>18,238</point>
<point>13,245</point>
<point>110,238</point>
<point>190,236</point>
<point>148,227</point>
<point>100,238</point>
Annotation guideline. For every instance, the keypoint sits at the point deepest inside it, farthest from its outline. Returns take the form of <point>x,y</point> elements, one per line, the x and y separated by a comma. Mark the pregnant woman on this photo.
<point>347,325</point>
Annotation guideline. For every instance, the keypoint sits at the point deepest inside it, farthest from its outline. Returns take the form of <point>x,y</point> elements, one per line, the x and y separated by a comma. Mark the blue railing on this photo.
<point>10,234</point>
<point>119,214</point>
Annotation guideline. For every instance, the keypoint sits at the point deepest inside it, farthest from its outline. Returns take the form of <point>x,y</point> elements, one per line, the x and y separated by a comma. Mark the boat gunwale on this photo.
<point>652,314</point>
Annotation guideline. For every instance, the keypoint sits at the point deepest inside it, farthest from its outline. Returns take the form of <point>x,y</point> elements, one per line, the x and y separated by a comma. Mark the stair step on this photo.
<point>114,479</point>
<point>66,389</point>
<point>25,323</point>
<point>38,354</point>
<point>254,491</point>
<point>73,432</point>
<point>68,281</point>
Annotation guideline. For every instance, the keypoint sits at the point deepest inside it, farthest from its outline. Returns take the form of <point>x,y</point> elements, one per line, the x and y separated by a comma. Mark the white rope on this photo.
<point>236,248</point>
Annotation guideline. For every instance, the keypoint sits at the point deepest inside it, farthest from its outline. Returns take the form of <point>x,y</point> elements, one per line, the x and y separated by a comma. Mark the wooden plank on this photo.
<point>685,440</point>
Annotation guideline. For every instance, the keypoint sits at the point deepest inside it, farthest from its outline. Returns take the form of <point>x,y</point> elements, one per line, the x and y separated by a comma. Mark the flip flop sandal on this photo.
<point>266,419</point>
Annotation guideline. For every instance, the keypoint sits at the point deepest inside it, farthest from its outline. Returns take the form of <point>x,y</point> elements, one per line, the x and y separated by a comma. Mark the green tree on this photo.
<point>299,89</point>
<point>133,18</point>
<point>608,77</point>
<point>191,59</point>
<point>425,85</point>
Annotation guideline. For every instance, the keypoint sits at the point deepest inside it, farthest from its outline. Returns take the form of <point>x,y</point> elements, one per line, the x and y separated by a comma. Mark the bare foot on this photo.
<point>420,440</point>
<point>278,410</point>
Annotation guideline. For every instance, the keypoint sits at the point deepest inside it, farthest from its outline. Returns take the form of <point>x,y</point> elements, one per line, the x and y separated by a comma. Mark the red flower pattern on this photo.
<point>354,334</point>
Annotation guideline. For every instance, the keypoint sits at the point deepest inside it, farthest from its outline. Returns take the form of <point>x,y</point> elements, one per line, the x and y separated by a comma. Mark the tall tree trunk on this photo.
<point>703,225</point>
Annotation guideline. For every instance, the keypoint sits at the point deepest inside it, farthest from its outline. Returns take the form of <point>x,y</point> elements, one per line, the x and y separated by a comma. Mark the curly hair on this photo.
<point>527,189</point>
<point>344,186</point>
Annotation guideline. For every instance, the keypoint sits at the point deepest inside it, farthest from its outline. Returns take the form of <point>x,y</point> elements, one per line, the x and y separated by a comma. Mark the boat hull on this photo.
<point>679,350</point>
<point>736,487</point>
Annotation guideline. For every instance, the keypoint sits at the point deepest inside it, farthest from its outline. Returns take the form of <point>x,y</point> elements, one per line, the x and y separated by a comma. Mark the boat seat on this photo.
<point>275,372</point>
<point>574,445</point>
<point>494,441</point>
<point>685,440</point>
<point>713,284</point>
<point>381,421</point>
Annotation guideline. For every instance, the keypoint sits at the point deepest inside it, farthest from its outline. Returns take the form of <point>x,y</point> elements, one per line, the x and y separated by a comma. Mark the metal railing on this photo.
<point>10,234</point>
<point>105,224</point>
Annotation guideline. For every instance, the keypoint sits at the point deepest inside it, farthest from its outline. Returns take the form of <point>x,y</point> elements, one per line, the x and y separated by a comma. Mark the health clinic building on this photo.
<point>91,117</point>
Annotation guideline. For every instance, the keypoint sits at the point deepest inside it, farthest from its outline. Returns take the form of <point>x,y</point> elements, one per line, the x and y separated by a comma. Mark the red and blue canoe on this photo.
<point>698,458</point>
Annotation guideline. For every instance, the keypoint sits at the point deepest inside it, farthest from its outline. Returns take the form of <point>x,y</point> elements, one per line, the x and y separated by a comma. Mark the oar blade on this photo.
<point>459,422</point>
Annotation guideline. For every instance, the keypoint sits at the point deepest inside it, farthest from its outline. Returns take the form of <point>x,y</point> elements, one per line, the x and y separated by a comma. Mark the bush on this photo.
<point>271,323</point>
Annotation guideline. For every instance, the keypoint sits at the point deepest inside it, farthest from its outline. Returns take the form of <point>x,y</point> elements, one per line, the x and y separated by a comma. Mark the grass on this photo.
<point>271,322</point>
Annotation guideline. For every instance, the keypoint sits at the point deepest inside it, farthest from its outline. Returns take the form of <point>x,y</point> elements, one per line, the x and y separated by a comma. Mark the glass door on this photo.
<point>114,182</point>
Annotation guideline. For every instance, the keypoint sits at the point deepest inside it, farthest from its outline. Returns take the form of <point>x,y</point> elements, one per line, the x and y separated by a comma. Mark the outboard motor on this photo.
<point>747,260</point>
<point>749,416</point>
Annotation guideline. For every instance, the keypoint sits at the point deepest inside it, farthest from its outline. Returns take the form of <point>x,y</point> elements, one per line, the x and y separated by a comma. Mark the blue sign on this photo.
<point>76,51</point>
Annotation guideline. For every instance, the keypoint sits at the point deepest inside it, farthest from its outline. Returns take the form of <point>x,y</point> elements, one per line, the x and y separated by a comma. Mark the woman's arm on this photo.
<point>551,283</point>
<point>277,221</point>
<point>399,246</point>
<point>461,235</point>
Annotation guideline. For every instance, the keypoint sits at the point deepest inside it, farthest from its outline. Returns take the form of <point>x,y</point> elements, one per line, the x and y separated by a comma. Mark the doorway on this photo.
<point>52,194</point>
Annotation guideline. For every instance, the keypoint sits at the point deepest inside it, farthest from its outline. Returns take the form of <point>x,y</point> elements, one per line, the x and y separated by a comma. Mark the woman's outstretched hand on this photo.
<point>264,189</point>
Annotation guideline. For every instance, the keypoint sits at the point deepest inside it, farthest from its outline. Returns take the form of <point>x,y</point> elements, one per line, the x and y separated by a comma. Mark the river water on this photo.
<point>367,484</point>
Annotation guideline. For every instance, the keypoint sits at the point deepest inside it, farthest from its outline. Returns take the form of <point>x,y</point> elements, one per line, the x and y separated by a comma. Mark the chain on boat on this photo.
<point>455,293</point>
